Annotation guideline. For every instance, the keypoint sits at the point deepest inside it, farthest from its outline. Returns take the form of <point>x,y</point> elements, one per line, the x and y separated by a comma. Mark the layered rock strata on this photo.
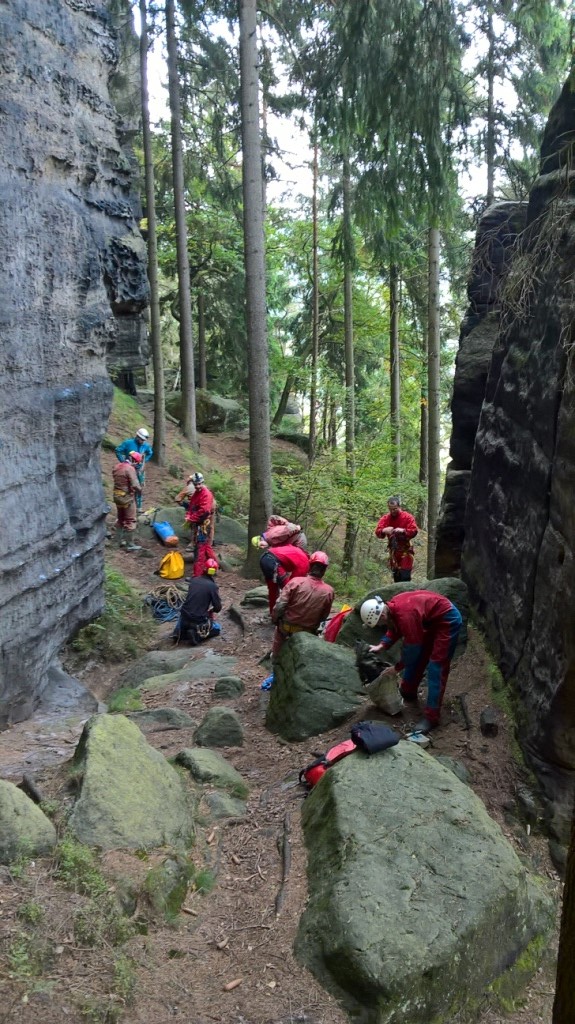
<point>496,235</point>
<point>518,555</point>
<point>73,286</point>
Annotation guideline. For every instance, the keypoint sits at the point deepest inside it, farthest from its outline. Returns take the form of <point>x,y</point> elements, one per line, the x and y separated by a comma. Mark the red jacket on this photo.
<point>304,601</point>
<point>201,505</point>
<point>292,559</point>
<point>413,614</point>
<point>399,544</point>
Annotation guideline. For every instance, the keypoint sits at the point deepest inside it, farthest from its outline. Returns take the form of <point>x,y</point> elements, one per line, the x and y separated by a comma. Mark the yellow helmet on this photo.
<point>256,540</point>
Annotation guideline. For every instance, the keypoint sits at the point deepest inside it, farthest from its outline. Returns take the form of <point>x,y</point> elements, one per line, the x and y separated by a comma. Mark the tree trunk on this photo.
<point>564,1003</point>
<point>280,411</point>
<point>394,369</point>
<point>314,312</point>
<point>254,261</point>
<point>202,372</point>
<point>350,528</point>
<point>490,140</point>
<point>184,291</point>
<point>434,407</point>
<point>159,455</point>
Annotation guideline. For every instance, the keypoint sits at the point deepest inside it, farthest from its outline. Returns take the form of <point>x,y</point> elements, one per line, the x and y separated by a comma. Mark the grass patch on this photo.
<point>125,699</point>
<point>126,417</point>
<point>101,922</point>
<point>30,912</point>
<point>77,868</point>
<point>118,632</point>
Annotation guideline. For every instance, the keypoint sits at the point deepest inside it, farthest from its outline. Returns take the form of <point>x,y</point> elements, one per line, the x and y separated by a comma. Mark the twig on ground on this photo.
<point>286,864</point>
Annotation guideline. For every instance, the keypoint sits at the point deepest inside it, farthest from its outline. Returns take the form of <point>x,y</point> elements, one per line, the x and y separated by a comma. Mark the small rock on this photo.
<point>488,722</point>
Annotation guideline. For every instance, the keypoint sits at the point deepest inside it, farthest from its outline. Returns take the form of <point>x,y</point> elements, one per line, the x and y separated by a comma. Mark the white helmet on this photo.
<point>142,433</point>
<point>371,610</point>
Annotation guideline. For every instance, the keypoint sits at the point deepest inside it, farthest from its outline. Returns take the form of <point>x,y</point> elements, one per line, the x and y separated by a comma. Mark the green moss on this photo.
<point>509,988</point>
<point>125,699</point>
<point>119,631</point>
<point>77,868</point>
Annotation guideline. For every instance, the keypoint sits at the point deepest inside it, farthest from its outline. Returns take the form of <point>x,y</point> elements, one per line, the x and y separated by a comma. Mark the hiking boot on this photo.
<point>425,726</point>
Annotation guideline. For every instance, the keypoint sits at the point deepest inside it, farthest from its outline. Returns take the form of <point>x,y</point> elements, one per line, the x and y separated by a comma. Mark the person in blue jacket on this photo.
<point>138,443</point>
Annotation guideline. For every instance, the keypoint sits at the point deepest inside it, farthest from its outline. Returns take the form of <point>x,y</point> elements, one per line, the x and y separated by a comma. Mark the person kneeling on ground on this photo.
<point>303,603</point>
<point>429,624</point>
<point>196,622</point>
<point>280,564</point>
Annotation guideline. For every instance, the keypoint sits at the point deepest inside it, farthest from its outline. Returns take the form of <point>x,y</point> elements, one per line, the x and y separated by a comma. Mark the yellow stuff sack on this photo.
<point>172,566</point>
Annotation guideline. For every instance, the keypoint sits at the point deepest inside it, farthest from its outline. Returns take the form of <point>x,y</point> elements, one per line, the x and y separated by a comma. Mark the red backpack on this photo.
<point>312,774</point>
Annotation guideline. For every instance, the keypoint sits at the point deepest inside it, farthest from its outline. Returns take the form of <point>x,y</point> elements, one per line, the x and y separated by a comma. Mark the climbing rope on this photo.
<point>165,601</point>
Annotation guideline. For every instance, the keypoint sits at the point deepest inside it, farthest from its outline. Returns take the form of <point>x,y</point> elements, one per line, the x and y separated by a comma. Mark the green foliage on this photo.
<point>204,881</point>
<point>30,912</point>
<point>77,867</point>
<point>27,956</point>
<point>101,922</point>
<point>125,699</point>
<point>119,631</point>
<point>127,417</point>
<point>125,978</point>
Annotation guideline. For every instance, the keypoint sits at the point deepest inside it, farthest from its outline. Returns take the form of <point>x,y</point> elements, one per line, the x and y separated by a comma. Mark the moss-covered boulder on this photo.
<point>155,663</point>
<point>418,905</point>
<point>454,589</point>
<point>229,686</point>
<point>25,831</point>
<point>316,687</point>
<point>129,795</point>
<point>221,727</point>
<point>222,805</point>
<point>211,666</point>
<point>257,597</point>
<point>229,531</point>
<point>161,719</point>
<point>206,765</point>
<point>166,885</point>
<point>214,414</point>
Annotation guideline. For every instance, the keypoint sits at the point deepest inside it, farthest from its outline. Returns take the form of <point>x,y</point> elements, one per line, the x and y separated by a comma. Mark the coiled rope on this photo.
<point>165,601</point>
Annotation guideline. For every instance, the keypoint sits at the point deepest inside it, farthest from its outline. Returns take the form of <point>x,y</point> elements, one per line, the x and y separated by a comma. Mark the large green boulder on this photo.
<point>25,831</point>
<point>229,531</point>
<point>454,589</point>
<point>316,687</point>
<point>418,905</point>
<point>130,796</point>
<point>214,414</point>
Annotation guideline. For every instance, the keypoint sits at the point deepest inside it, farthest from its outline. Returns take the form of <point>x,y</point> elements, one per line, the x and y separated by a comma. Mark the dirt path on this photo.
<point>233,933</point>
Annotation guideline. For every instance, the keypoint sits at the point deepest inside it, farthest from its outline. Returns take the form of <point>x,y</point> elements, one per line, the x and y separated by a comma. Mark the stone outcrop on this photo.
<point>25,831</point>
<point>73,289</point>
<point>316,688</point>
<point>214,414</point>
<point>497,232</point>
<point>409,882</point>
<point>130,796</point>
<point>518,556</point>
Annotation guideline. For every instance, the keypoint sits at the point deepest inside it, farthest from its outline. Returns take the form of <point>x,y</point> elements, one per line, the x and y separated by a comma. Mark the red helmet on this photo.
<point>136,457</point>
<point>211,567</point>
<point>319,558</point>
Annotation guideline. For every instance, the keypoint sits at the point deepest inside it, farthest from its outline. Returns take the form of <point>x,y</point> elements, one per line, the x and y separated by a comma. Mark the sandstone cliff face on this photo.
<point>73,283</point>
<point>496,236</point>
<point>518,555</point>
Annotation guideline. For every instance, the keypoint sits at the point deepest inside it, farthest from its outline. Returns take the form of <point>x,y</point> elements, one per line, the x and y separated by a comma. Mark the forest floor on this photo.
<point>182,971</point>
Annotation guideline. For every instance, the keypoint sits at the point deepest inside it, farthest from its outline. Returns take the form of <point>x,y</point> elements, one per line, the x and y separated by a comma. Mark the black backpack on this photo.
<point>372,737</point>
<point>368,664</point>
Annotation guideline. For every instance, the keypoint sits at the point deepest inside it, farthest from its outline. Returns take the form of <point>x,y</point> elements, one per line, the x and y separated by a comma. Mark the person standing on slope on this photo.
<point>399,527</point>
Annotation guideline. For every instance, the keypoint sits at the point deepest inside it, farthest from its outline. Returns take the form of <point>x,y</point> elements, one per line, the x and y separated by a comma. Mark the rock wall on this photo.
<point>496,235</point>
<point>518,554</point>
<point>73,286</point>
